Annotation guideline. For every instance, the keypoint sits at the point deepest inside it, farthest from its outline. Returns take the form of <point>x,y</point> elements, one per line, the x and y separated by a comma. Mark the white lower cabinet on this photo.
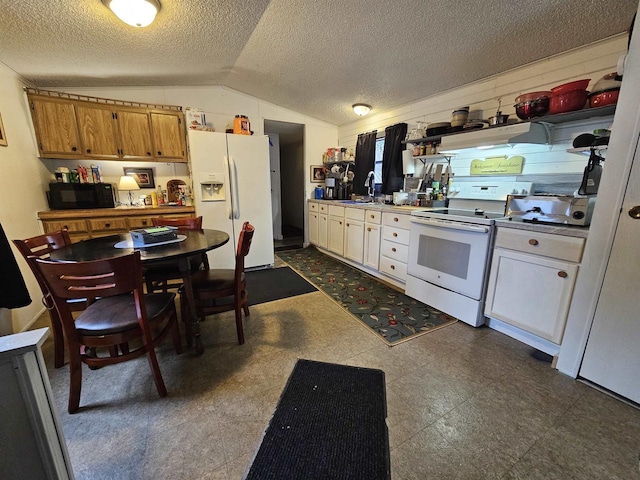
<point>372,246</point>
<point>323,230</point>
<point>336,230</point>
<point>354,234</point>
<point>394,250</point>
<point>532,279</point>
<point>313,228</point>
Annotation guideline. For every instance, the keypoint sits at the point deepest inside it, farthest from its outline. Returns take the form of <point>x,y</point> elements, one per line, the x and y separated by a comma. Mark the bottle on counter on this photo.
<point>154,198</point>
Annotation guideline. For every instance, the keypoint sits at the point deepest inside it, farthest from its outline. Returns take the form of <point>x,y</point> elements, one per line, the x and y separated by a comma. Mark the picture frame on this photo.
<point>3,137</point>
<point>143,176</point>
<point>318,173</point>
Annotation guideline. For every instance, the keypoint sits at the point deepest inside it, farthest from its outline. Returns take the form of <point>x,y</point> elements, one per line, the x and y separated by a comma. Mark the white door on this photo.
<point>612,356</point>
<point>251,194</point>
<point>276,194</point>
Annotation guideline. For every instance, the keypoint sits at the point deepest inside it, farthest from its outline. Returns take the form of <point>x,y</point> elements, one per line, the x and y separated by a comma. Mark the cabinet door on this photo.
<point>531,292</point>
<point>98,130</point>
<point>56,127</point>
<point>313,228</point>
<point>168,136</point>
<point>135,134</point>
<point>336,235</point>
<point>354,240</point>
<point>323,231</point>
<point>372,246</point>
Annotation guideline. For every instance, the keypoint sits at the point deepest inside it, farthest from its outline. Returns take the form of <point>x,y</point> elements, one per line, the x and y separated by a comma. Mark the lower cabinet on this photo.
<point>336,235</point>
<point>313,228</point>
<point>354,234</point>
<point>394,250</point>
<point>372,246</point>
<point>532,279</point>
<point>323,230</point>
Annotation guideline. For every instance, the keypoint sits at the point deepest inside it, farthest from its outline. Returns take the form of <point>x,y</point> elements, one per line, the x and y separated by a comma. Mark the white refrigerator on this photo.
<point>231,185</point>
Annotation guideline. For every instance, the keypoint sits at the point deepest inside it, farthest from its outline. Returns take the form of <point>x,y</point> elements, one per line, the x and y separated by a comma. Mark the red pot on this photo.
<point>571,86</point>
<point>600,99</point>
<point>567,102</point>
<point>532,108</point>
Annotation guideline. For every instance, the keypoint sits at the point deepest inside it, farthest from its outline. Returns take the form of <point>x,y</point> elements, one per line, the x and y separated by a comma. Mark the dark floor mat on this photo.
<point>275,283</point>
<point>329,424</point>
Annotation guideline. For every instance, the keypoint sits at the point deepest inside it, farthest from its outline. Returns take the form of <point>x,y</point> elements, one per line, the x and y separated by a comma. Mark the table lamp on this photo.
<point>129,183</point>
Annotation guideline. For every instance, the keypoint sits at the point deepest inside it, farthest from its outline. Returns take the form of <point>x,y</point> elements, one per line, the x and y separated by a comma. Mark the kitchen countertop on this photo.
<point>371,206</point>
<point>113,212</point>
<point>567,230</point>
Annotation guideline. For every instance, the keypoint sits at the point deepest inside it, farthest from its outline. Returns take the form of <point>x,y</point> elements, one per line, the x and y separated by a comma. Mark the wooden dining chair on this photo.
<point>159,276</point>
<point>41,246</point>
<point>121,313</point>
<point>221,290</point>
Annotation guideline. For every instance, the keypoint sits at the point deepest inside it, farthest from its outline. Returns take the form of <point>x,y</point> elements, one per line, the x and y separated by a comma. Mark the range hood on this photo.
<point>518,133</point>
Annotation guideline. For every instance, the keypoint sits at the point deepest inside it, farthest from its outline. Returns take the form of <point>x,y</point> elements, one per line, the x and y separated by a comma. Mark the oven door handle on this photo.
<point>452,225</point>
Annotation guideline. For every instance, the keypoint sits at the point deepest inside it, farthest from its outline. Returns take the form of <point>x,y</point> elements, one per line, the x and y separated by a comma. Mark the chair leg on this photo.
<point>75,379</point>
<point>239,330</point>
<point>175,334</point>
<point>58,339</point>
<point>155,371</point>
<point>185,313</point>
<point>124,348</point>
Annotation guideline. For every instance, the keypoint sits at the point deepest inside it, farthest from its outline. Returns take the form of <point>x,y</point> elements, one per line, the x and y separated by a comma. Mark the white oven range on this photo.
<point>450,248</point>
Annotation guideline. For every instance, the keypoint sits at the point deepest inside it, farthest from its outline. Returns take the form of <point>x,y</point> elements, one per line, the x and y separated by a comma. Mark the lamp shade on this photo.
<point>361,109</point>
<point>127,182</point>
<point>137,13</point>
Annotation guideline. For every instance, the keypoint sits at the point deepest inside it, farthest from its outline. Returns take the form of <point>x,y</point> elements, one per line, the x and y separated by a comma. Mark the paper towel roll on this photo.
<point>408,163</point>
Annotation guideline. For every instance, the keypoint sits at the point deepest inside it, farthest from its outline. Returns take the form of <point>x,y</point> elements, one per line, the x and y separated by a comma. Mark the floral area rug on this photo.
<point>392,315</point>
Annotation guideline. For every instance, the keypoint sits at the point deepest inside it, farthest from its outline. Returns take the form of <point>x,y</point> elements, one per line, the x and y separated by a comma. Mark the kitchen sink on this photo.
<point>355,201</point>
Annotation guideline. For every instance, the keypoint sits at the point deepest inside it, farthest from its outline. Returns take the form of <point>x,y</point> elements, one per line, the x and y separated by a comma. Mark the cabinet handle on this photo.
<point>393,249</point>
<point>373,216</point>
<point>368,229</point>
<point>395,234</point>
<point>393,267</point>
<point>533,242</point>
<point>159,153</point>
<point>562,274</point>
<point>395,219</point>
<point>148,154</point>
<point>348,224</point>
<point>144,222</point>
<point>88,150</point>
<point>340,223</point>
<point>65,227</point>
<point>107,225</point>
<point>74,149</point>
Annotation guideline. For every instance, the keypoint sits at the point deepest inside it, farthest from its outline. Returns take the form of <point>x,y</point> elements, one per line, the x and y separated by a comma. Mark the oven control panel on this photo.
<point>489,190</point>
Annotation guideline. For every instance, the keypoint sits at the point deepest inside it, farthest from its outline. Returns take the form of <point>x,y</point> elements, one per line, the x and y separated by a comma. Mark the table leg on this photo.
<point>188,291</point>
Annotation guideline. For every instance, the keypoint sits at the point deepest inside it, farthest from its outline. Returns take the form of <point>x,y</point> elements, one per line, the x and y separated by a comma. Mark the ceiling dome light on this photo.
<point>361,109</point>
<point>137,13</point>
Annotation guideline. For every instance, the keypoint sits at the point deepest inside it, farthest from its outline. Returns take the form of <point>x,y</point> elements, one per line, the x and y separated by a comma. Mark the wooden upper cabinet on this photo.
<point>135,134</point>
<point>73,126</point>
<point>97,130</point>
<point>56,127</point>
<point>168,136</point>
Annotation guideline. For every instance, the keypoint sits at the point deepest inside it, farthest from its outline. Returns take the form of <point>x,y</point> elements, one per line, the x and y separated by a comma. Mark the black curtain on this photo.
<point>365,160</point>
<point>13,291</point>
<point>392,176</point>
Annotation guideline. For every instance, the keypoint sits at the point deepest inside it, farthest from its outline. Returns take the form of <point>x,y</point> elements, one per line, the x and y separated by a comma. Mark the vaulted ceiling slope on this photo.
<point>315,57</point>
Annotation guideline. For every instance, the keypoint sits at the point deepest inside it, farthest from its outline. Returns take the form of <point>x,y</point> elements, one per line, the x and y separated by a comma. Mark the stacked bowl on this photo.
<point>569,97</point>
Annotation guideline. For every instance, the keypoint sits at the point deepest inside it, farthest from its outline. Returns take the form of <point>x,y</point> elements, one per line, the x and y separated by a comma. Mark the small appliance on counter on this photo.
<point>550,208</point>
<point>330,190</point>
<point>66,196</point>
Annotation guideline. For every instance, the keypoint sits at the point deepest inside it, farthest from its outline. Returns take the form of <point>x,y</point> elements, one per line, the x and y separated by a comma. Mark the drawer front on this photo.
<point>139,222</point>
<point>336,211</point>
<point>549,245</point>
<point>393,268</point>
<point>313,206</point>
<point>396,220</point>
<point>71,225</point>
<point>373,216</point>
<point>395,251</point>
<point>323,208</point>
<point>397,235</point>
<point>108,224</point>
<point>354,214</point>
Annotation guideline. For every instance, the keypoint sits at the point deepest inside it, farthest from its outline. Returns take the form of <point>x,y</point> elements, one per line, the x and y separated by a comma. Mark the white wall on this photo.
<point>591,61</point>
<point>23,184</point>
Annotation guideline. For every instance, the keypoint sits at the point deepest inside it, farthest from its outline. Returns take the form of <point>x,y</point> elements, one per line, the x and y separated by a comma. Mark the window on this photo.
<point>377,168</point>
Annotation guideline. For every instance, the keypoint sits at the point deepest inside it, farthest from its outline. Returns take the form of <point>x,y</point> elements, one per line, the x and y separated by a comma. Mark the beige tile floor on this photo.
<point>463,403</point>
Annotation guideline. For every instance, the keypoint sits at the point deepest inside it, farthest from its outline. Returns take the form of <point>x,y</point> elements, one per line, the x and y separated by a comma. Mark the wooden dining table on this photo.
<point>191,243</point>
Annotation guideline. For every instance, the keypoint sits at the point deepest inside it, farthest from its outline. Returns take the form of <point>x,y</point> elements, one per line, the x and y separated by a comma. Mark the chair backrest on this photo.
<point>188,223</point>
<point>40,247</point>
<point>244,243</point>
<point>97,278</point>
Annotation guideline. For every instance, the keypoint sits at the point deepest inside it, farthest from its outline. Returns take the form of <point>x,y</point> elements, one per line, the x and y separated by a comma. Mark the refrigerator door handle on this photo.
<point>226,166</point>
<point>236,190</point>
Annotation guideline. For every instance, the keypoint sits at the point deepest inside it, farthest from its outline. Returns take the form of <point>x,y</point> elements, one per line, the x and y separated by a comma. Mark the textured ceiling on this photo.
<point>315,57</point>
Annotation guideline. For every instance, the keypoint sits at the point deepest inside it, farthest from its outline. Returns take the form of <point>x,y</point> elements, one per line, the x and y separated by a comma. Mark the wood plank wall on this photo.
<point>591,61</point>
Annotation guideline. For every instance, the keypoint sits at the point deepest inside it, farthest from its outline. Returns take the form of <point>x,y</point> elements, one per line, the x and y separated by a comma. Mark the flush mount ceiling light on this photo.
<point>361,109</point>
<point>137,13</point>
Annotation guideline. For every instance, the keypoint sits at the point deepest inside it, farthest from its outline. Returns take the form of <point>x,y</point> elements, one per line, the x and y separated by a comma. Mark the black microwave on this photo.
<point>63,196</point>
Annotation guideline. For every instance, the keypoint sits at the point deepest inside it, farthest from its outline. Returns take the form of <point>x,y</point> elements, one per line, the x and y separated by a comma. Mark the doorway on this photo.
<point>286,152</point>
